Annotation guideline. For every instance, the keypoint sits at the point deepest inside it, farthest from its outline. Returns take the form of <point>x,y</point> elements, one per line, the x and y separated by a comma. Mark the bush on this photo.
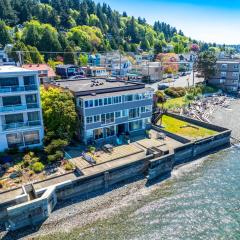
<point>175,92</point>
<point>29,159</point>
<point>91,149</point>
<point>55,145</point>
<point>69,166</point>
<point>37,167</point>
<point>56,157</point>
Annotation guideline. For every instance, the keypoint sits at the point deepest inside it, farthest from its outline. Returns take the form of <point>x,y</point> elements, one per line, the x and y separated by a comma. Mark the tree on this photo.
<point>22,48</point>
<point>59,113</point>
<point>144,45</point>
<point>5,37</point>
<point>83,60</point>
<point>206,64</point>
<point>35,55</point>
<point>161,98</point>
<point>69,57</point>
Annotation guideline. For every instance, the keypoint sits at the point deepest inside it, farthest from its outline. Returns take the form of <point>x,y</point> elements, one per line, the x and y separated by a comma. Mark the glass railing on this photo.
<point>17,125</point>
<point>25,88</point>
<point>14,108</point>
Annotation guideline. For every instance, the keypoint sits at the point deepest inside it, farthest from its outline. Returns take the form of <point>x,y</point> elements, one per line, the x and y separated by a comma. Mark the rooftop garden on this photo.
<point>185,129</point>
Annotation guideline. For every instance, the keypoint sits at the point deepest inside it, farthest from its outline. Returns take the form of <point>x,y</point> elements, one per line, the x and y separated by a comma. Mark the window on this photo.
<point>86,104</point>
<point>118,114</point>
<point>96,103</point>
<point>89,120</point>
<point>148,108</point>
<point>13,100</point>
<point>107,118</point>
<point>235,66</point>
<point>90,103</point>
<point>15,140</point>
<point>117,100</point>
<point>31,137</point>
<point>223,74</point>
<point>124,113</point>
<point>109,101</point>
<point>134,113</point>
<point>143,109</point>
<point>7,82</point>
<point>31,98</point>
<point>235,74</point>
<point>224,66</point>
<point>137,125</point>
<point>98,133</point>
<point>105,101</point>
<point>100,101</point>
<point>97,118</point>
<point>129,98</point>
<point>109,131</point>
<point>33,116</point>
<point>29,80</point>
<point>14,118</point>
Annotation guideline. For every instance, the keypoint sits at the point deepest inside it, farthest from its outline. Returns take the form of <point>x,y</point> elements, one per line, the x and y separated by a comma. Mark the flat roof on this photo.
<point>85,87</point>
<point>13,69</point>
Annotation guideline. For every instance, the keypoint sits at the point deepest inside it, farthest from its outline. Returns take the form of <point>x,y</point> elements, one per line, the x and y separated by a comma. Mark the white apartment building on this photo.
<point>21,124</point>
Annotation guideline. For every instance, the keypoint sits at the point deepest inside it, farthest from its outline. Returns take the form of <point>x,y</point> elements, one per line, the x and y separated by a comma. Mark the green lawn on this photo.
<point>185,129</point>
<point>174,103</point>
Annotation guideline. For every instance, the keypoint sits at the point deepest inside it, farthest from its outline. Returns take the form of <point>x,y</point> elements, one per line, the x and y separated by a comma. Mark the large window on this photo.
<point>33,116</point>
<point>8,82</point>
<point>12,100</point>
<point>98,133</point>
<point>31,137</point>
<point>109,131</point>
<point>89,120</point>
<point>14,118</point>
<point>31,100</point>
<point>136,125</point>
<point>107,118</point>
<point>29,80</point>
<point>97,118</point>
<point>15,140</point>
<point>134,113</point>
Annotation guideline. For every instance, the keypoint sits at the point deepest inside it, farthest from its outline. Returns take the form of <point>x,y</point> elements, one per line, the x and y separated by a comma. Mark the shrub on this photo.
<point>29,159</point>
<point>69,166</point>
<point>55,145</point>
<point>91,149</point>
<point>37,167</point>
<point>56,157</point>
<point>175,92</point>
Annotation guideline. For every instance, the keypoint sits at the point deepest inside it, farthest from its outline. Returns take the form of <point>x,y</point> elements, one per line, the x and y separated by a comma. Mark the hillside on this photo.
<point>73,25</point>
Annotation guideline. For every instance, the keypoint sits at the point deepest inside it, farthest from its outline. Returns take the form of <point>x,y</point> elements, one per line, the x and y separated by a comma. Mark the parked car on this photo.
<point>77,77</point>
<point>162,86</point>
<point>176,76</point>
<point>183,74</point>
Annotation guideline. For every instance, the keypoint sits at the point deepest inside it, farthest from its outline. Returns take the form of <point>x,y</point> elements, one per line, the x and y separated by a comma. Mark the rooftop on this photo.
<point>14,69</point>
<point>85,87</point>
<point>40,67</point>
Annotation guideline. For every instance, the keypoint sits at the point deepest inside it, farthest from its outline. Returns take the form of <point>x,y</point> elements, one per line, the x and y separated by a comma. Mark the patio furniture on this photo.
<point>88,158</point>
<point>108,148</point>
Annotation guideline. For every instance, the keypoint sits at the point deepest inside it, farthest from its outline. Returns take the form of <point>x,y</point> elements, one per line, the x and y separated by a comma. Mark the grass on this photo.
<point>185,129</point>
<point>174,103</point>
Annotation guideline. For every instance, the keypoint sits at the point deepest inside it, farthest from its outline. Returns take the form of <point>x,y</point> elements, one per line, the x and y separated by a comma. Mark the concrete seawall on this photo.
<point>23,211</point>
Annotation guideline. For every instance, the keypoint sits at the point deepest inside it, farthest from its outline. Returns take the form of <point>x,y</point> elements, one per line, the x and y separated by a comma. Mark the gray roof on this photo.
<point>85,87</point>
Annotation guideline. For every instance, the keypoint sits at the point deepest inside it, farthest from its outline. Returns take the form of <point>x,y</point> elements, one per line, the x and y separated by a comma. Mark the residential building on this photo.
<point>94,60</point>
<point>227,75</point>
<point>4,59</point>
<point>68,70</point>
<point>45,72</point>
<point>97,72</point>
<point>21,123</point>
<point>110,108</point>
<point>152,71</point>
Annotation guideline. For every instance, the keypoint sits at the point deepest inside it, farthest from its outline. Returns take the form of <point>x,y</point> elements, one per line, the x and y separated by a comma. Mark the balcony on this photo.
<point>15,108</point>
<point>18,125</point>
<point>12,89</point>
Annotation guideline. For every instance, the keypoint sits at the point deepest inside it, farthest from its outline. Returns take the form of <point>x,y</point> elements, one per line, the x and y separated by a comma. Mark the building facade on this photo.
<point>21,124</point>
<point>227,75</point>
<point>110,108</point>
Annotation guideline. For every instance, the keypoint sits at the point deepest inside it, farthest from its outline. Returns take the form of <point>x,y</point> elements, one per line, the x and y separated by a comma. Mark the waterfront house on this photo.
<point>45,72</point>
<point>108,108</point>
<point>21,124</point>
<point>226,75</point>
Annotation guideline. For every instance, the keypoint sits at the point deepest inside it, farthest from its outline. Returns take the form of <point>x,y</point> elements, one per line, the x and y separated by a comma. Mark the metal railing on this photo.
<point>14,108</point>
<point>25,88</point>
<point>18,125</point>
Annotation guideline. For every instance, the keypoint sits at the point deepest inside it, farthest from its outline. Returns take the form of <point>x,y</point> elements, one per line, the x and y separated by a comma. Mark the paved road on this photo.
<point>181,82</point>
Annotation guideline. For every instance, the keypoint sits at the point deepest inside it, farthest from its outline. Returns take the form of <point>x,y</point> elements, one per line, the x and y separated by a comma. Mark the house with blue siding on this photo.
<point>109,108</point>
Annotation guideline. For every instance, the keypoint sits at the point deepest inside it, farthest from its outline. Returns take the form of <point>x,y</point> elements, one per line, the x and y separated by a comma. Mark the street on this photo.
<point>180,82</point>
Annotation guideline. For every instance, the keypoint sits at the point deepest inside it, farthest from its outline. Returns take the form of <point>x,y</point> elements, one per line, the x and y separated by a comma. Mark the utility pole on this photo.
<point>120,67</point>
<point>20,58</point>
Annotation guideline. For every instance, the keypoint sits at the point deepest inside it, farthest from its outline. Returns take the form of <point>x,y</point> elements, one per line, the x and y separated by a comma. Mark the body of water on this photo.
<point>200,201</point>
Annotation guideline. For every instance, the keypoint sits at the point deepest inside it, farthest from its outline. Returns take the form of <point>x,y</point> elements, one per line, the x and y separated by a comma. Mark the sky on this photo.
<point>207,20</point>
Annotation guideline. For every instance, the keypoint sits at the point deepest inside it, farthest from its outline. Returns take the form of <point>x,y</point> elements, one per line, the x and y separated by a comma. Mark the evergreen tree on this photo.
<point>5,37</point>
<point>69,57</point>
<point>35,55</point>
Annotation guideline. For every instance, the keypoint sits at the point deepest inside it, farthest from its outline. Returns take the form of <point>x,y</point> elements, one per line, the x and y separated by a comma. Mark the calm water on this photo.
<point>200,201</point>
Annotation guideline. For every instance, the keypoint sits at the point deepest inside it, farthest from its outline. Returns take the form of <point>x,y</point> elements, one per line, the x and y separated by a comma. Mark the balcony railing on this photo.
<point>18,125</point>
<point>14,108</point>
<point>25,88</point>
